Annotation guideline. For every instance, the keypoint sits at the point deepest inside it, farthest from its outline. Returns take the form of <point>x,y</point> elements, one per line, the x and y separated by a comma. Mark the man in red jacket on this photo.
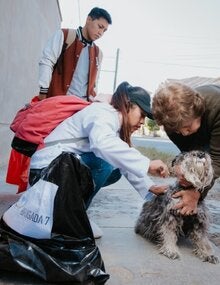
<point>71,61</point>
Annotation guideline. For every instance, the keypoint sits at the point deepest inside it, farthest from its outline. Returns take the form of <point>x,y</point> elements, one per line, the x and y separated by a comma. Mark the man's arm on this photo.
<point>50,55</point>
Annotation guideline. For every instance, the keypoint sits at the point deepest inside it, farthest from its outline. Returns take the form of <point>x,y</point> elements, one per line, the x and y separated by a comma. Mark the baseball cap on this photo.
<point>140,97</point>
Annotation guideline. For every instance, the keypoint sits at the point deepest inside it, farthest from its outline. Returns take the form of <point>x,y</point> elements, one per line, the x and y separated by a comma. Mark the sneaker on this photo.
<point>97,232</point>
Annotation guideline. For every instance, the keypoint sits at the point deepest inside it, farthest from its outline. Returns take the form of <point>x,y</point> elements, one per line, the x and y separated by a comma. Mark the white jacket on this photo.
<point>99,124</point>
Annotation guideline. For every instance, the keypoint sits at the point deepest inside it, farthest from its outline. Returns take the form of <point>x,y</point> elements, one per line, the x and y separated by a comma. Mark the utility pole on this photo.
<point>116,70</point>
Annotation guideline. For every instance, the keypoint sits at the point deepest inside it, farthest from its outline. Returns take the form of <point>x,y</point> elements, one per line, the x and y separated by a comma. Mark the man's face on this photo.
<point>95,28</point>
<point>190,127</point>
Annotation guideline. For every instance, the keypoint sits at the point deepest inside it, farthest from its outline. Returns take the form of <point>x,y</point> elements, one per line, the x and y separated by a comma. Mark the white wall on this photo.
<point>25,27</point>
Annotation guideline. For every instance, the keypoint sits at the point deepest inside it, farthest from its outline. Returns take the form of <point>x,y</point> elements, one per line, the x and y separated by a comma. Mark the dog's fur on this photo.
<point>158,222</point>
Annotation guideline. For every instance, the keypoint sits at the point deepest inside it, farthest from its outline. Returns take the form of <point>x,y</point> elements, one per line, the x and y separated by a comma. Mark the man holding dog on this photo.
<point>191,119</point>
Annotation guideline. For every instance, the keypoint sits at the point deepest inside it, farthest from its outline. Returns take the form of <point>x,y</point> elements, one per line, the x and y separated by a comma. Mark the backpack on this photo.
<point>36,120</point>
<point>69,37</point>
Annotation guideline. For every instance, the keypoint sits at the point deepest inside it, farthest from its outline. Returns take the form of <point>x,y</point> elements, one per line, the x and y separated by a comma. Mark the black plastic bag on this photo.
<point>70,255</point>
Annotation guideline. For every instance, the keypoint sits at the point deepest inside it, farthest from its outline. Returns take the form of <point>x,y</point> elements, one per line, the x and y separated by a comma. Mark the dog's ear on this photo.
<point>173,162</point>
<point>178,158</point>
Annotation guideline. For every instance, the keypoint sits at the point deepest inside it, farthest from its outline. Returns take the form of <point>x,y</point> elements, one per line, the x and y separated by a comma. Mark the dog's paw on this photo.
<point>170,254</point>
<point>206,258</point>
<point>211,259</point>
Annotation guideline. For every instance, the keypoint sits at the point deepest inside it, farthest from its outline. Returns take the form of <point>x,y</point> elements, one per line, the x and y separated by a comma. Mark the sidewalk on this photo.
<point>128,258</point>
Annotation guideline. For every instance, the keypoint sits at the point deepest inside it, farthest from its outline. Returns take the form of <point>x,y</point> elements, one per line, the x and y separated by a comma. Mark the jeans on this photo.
<point>149,197</point>
<point>103,173</point>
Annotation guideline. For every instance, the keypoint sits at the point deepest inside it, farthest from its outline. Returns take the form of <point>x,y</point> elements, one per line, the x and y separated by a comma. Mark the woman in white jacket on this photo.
<point>100,135</point>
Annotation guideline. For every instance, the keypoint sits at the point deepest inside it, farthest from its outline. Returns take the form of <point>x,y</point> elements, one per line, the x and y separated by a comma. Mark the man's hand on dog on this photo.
<point>188,202</point>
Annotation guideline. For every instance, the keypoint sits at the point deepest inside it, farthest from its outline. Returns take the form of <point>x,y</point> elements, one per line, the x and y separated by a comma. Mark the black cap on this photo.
<point>142,98</point>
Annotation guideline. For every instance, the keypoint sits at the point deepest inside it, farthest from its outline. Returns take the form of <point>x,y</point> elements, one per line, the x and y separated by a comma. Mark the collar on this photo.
<point>81,37</point>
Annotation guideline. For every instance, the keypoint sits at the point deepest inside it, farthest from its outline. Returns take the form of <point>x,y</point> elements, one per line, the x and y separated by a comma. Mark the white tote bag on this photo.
<point>32,214</point>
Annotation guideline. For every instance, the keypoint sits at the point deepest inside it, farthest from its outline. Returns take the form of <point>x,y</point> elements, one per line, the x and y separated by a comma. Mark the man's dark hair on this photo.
<point>97,13</point>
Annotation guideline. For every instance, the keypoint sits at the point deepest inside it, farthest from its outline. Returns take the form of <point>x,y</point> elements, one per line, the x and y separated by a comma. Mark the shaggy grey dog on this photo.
<point>158,222</point>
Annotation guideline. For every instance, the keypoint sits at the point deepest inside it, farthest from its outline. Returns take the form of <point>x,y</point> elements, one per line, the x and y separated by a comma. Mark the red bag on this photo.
<point>22,113</point>
<point>18,165</point>
<point>33,123</point>
<point>18,169</point>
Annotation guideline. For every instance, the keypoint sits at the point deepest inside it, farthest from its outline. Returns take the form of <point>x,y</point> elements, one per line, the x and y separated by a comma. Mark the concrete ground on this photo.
<point>128,258</point>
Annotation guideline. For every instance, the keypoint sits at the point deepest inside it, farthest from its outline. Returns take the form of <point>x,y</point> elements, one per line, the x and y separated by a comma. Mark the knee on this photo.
<point>114,176</point>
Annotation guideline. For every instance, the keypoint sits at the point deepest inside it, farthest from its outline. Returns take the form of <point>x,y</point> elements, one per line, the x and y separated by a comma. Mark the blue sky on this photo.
<point>157,39</point>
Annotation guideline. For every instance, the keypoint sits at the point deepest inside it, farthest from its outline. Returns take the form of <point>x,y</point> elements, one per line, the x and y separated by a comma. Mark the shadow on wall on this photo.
<point>29,26</point>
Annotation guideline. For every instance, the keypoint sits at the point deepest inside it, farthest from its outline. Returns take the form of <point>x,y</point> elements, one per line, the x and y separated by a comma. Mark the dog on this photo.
<point>160,223</point>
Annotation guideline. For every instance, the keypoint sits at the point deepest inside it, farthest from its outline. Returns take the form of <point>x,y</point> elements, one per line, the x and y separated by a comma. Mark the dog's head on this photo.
<point>193,168</point>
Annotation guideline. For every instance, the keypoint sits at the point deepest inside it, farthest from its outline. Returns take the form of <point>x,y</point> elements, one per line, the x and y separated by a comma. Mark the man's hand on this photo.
<point>158,168</point>
<point>158,189</point>
<point>188,202</point>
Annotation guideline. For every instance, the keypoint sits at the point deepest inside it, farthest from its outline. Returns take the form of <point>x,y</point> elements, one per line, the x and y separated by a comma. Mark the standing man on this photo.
<point>71,61</point>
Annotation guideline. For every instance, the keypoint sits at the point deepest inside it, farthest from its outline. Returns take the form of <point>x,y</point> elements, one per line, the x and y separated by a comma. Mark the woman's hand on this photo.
<point>158,189</point>
<point>158,168</point>
<point>188,201</point>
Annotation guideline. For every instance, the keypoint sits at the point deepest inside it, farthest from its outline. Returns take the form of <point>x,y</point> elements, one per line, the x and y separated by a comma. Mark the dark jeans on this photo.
<point>103,173</point>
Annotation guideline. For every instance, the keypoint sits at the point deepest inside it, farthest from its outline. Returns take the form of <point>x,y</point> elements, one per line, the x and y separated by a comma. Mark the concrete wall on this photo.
<point>25,25</point>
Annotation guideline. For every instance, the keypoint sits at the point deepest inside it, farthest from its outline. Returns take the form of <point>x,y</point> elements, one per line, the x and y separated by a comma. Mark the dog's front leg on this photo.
<point>168,238</point>
<point>203,247</point>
